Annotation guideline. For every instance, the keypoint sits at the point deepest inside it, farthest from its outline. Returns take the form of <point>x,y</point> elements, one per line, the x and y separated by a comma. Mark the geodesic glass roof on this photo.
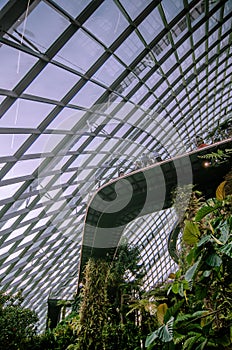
<point>87,87</point>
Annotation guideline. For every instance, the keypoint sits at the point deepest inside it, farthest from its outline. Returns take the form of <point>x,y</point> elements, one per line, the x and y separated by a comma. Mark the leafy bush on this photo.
<point>17,324</point>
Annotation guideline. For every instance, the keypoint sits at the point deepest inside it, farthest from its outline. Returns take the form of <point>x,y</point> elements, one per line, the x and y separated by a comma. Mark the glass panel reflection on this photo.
<point>107,22</point>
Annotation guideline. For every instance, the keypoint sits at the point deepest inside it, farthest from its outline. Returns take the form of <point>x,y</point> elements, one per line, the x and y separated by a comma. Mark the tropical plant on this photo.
<point>198,312</point>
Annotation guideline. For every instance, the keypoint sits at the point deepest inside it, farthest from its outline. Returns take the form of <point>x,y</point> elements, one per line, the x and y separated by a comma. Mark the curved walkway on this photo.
<point>144,191</point>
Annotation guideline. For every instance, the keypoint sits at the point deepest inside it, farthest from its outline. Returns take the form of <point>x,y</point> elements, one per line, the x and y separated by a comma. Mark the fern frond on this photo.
<point>183,317</point>
<point>191,342</point>
<point>179,338</point>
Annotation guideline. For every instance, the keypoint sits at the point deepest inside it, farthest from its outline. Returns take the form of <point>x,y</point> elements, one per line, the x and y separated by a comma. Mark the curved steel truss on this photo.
<point>87,87</point>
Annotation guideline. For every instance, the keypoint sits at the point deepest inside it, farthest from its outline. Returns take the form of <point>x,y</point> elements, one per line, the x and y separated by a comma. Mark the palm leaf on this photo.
<point>180,338</point>
<point>203,345</point>
<point>183,318</point>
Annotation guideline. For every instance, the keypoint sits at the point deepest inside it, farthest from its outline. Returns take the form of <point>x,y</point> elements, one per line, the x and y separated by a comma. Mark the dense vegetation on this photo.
<point>197,313</point>
<point>191,310</point>
<point>17,324</point>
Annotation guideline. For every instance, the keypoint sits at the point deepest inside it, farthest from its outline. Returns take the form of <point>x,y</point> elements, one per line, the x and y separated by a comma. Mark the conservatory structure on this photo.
<point>102,106</point>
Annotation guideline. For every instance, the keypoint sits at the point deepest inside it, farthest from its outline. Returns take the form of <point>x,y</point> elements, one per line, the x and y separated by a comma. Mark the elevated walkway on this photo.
<point>144,191</point>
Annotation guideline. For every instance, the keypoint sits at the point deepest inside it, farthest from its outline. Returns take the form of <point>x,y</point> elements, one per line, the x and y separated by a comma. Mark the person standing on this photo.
<point>145,160</point>
<point>200,142</point>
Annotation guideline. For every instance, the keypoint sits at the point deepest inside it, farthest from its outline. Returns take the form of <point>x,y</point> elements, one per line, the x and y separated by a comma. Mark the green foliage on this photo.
<point>107,317</point>
<point>44,341</point>
<point>199,299</point>
<point>64,333</point>
<point>222,130</point>
<point>189,275</point>
<point>193,312</point>
<point>17,323</point>
<point>108,310</point>
<point>205,210</point>
<point>218,157</point>
<point>94,307</point>
<point>173,310</point>
<point>226,250</point>
<point>191,233</point>
<point>164,334</point>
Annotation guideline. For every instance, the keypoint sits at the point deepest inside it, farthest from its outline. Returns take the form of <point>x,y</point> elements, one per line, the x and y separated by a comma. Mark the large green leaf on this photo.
<point>225,229</point>
<point>175,287</point>
<point>214,260</point>
<point>205,210</point>
<point>204,240</point>
<point>164,333</point>
<point>151,338</point>
<point>191,271</point>
<point>199,313</point>
<point>191,233</point>
<point>191,255</point>
<point>227,249</point>
<point>173,310</point>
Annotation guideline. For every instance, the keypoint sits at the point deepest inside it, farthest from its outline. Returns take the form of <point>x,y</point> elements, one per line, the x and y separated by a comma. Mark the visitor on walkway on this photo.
<point>145,160</point>
<point>200,142</point>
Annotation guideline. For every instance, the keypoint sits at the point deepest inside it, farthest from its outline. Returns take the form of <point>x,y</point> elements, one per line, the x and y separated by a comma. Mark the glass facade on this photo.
<point>86,88</point>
